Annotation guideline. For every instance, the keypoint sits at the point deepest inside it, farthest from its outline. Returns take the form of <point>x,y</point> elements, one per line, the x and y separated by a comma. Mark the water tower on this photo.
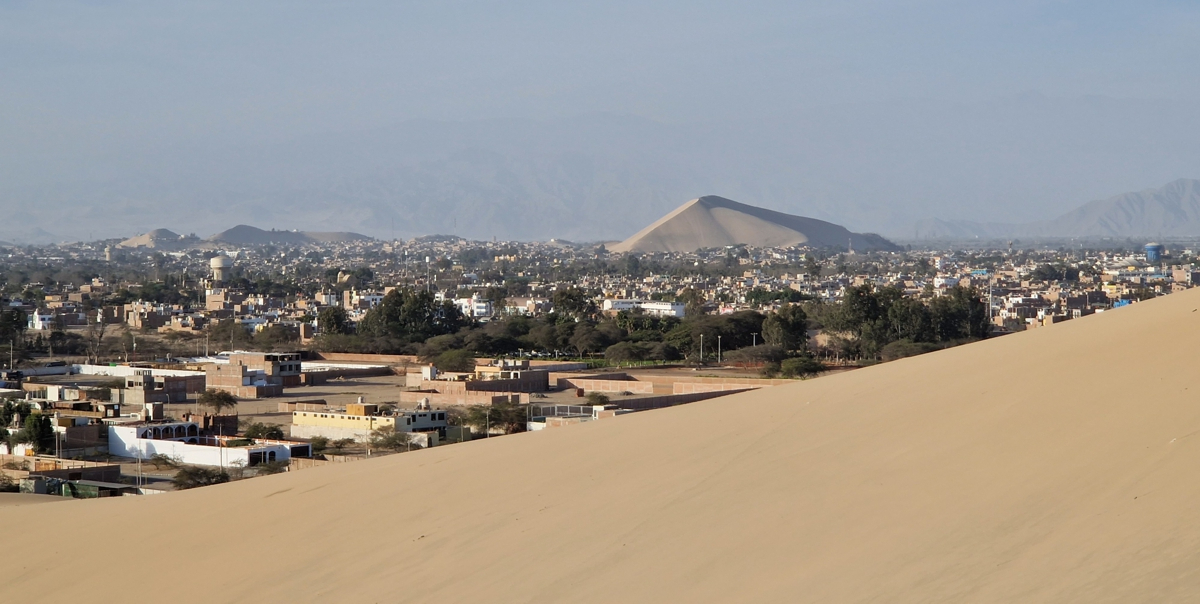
<point>1154,252</point>
<point>220,267</point>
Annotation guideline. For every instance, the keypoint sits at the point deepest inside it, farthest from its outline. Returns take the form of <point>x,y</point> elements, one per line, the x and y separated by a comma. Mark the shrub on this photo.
<point>597,398</point>
<point>319,443</point>
<point>161,461</point>
<point>271,467</point>
<point>756,355</point>
<point>905,348</point>
<point>800,367</point>
<point>192,477</point>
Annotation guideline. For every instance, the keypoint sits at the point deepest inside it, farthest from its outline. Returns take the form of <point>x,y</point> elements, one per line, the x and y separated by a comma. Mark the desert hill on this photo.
<point>1169,211</point>
<point>248,235</point>
<point>159,239</point>
<point>1020,469</point>
<point>713,221</point>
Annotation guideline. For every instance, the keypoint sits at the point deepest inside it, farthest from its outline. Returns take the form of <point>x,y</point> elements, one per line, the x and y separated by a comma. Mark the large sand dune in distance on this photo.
<point>1056,465</point>
<point>711,221</point>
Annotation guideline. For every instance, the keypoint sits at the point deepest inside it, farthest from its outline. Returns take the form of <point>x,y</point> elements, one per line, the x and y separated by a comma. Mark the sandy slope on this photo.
<point>19,499</point>
<point>1059,465</point>
<point>713,221</point>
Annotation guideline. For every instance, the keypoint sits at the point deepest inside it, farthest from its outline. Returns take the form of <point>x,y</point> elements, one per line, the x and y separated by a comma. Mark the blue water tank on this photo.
<point>1154,252</point>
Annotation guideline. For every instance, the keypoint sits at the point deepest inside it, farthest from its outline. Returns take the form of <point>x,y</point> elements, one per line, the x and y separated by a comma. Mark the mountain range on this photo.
<point>238,235</point>
<point>879,167</point>
<point>1172,210</point>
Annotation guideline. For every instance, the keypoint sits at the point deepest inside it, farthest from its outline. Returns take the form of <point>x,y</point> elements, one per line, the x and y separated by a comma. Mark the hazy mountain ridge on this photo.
<point>595,177</point>
<point>247,235</point>
<point>1172,210</point>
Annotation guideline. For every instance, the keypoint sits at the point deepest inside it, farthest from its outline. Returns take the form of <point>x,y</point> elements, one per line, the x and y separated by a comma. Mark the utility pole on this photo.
<point>754,340</point>
<point>718,350</point>
<point>701,348</point>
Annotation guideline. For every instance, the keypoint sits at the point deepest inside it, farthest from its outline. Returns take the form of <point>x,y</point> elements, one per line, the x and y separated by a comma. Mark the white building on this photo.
<point>182,441</point>
<point>475,307</point>
<point>654,309</point>
<point>664,309</point>
<point>41,321</point>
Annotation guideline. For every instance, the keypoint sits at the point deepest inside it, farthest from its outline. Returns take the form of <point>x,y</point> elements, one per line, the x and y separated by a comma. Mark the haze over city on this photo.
<point>538,120</point>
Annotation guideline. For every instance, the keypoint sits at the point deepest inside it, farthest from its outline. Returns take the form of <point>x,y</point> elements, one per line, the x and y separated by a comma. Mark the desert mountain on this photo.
<point>159,239</point>
<point>248,235</point>
<point>712,221</point>
<point>1170,211</point>
<point>1016,469</point>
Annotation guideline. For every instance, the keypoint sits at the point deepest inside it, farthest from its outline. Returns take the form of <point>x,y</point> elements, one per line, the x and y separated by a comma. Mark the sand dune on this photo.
<point>713,221</point>
<point>1057,465</point>
<point>158,238</point>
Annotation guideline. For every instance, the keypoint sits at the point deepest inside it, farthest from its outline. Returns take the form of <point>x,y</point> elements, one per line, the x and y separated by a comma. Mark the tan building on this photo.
<point>255,374</point>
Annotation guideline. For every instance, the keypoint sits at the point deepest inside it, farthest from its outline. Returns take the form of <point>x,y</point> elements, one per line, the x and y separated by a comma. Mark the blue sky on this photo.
<point>84,83</point>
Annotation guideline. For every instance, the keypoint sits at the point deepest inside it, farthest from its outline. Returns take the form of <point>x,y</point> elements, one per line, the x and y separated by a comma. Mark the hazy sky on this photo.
<point>88,89</point>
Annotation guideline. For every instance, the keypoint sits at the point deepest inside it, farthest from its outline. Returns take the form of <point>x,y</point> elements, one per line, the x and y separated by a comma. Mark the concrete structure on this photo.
<point>144,387</point>
<point>255,374</point>
<point>1154,252</point>
<point>531,380</point>
<point>652,308</point>
<point>358,426</point>
<point>220,265</point>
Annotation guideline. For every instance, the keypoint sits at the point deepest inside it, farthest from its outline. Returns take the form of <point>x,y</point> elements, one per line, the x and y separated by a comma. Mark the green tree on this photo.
<point>261,430</point>
<point>586,339</point>
<point>38,432</point>
<point>333,320</point>
<point>786,328</point>
<point>812,266</point>
<point>456,361</point>
<point>507,416</point>
<point>412,316</point>
<point>693,300</point>
<point>388,437</point>
<point>625,352</point>
<point>573,301</point>
<point>219,400</point>
<point>12,325</point>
